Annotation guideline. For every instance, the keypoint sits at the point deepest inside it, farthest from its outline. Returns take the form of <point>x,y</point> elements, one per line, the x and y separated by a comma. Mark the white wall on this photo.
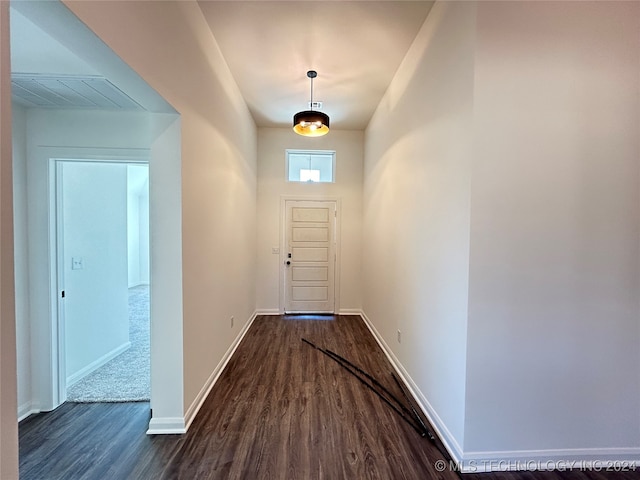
<point>23,325</point>
<point>503,165</point>
<point>143,234</point>
<point>165,308</point>
<point>65,135</point>
<point>170,45</point>
<point>35,51</point>
<point>555,230</point>
<point>8,405</point>
<point>63,26</point>
<point>94,223</point>
<point>272,183</point>
<point>138,224</point>
<point>133,235</point>
<point>416,211</point>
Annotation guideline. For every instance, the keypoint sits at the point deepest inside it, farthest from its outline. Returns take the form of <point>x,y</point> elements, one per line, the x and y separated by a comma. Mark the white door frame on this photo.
<point>283,244</point>
<point>56,268</point>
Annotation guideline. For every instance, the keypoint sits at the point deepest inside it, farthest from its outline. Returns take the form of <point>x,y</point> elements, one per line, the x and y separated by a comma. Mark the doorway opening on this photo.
<point>89,132</point>
<point>102,256</point>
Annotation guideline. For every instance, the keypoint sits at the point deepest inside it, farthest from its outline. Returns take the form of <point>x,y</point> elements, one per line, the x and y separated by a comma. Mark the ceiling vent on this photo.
<point>66,91</point>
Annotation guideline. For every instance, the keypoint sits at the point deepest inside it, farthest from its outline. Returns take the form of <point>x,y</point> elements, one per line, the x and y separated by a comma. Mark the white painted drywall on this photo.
<point>138,224</point>
<point>133,235</point>
<point>8,397</point>
<point>504,160</point>
<point>36,51</point>
<point>167,401</point>
<point>272,184</point>
<point>553,359</point>
<point>94,223</point>
<point>66,135</point>
<point>143,233</point>
<point>23,327</point>
<point>165,231</point>
<point>170,45</point>
<point>416,217</point>
<point>86,52</point>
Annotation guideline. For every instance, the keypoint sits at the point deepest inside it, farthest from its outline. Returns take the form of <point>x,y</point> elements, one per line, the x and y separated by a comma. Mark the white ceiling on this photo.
<point>355,46</point>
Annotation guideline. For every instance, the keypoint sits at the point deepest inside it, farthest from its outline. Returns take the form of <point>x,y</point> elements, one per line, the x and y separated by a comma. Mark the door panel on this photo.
<point>310,214</point>
<point>309,254</point>
<point>301,274</point>
<point>313,234</point>
<point>304,294</point>
<point>310,268</point>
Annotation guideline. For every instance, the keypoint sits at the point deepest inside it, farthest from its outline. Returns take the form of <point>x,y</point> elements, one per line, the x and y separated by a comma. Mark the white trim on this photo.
<point>551,461</point>
<point>436,422</point>
<point>27,409</point>
<point>295,151</point>
<point>268,311</point>
<point>56,363</point>
<point>93,366</point>
<point>590,459</point>
<point>166,426</point>
<point>56,273</point>
<point>587,459</point>
<point>350,311</point>
<point>215,375</point>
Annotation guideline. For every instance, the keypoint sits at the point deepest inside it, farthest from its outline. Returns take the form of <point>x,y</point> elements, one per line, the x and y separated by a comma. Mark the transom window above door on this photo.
<point>311,166</point>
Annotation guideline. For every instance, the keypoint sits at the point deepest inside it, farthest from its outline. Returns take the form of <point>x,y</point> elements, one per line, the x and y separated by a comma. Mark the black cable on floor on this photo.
<point>415,422</point>
<point>353,371</point>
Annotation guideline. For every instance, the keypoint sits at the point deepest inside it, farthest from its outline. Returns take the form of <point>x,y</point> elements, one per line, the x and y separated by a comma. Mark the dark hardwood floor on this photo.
<point>280,410</point>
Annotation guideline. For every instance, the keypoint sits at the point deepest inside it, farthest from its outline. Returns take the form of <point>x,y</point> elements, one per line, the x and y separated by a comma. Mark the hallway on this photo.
<point>279,410</point>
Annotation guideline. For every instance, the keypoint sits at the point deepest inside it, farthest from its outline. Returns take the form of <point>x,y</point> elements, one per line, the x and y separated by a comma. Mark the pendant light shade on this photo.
<point>311,123</point>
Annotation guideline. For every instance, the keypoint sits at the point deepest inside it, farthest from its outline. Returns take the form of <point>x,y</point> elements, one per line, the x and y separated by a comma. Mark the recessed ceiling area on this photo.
<point>46,74</point>
<point>58,62</point>
<point>355,46</point>
<point>47,91</point>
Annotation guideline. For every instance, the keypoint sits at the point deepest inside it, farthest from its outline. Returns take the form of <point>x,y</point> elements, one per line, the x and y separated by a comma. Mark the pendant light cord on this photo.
<point>311,103</point>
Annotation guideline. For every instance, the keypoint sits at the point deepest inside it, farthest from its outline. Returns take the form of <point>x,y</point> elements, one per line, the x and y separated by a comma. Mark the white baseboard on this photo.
<point>213,378</point>
<point>441,429</point>
<point>570,460</point>
<point>93,366</point>
<point>342,311</point>
<point>599,460</point>
<point>27,409</point>
<point>166,426</point>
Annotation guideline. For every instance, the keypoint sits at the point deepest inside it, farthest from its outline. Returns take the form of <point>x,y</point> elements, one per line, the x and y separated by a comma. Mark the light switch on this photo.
<point>275,250</point>
<point>76,263</point>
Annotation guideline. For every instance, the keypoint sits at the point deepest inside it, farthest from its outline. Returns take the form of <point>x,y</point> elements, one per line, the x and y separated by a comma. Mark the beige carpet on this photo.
<point>125,378</point>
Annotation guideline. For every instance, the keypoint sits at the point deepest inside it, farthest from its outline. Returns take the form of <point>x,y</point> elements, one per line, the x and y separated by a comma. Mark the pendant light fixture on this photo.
<point>311,123</point>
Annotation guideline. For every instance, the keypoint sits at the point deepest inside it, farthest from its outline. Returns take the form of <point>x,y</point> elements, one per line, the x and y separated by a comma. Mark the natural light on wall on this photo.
<point>313,166</point>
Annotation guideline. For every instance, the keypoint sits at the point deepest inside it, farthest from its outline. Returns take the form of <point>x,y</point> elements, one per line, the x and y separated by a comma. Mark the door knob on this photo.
<point>288,262</point>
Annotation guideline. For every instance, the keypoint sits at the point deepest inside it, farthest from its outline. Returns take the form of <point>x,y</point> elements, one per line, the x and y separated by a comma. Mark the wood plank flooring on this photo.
<point>280,410</point>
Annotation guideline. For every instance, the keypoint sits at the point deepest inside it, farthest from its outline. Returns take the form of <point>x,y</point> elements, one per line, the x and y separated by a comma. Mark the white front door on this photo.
<point>310,256</point>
